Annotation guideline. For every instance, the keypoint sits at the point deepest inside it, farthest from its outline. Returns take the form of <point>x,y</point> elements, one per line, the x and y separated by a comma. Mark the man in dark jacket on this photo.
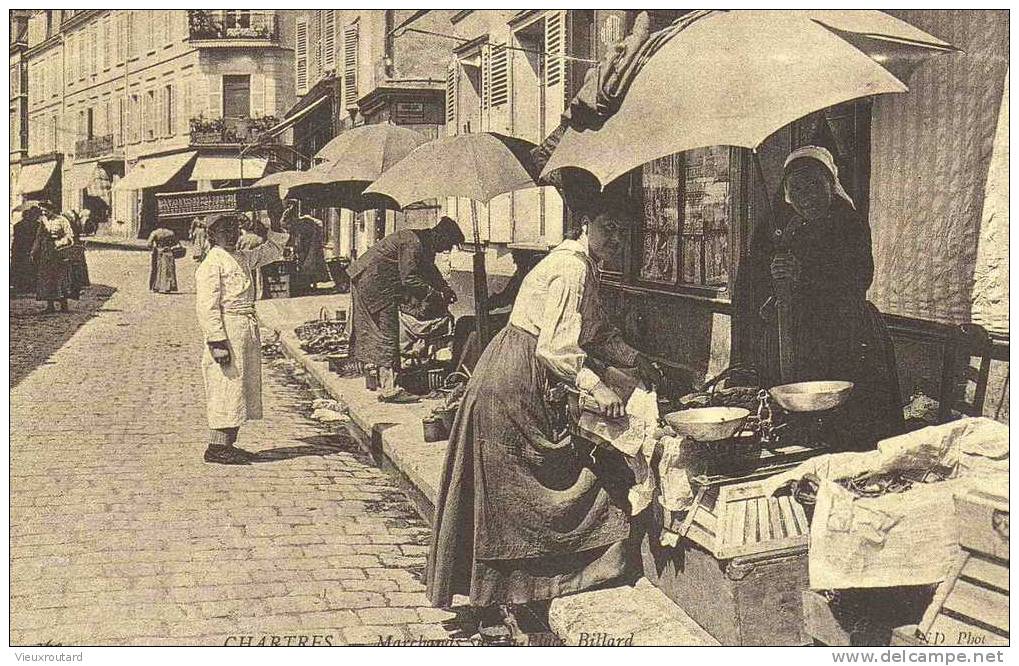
<point>397,269</point>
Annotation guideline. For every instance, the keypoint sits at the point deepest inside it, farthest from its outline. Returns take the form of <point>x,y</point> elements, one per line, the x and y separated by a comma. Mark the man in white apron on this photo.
<point>232,359</point>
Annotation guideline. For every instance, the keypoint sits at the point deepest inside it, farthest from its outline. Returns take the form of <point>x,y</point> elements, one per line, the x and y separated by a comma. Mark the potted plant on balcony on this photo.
<point>207,131</point>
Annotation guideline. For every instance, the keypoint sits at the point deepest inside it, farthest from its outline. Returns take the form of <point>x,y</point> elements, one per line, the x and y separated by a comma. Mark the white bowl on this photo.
<point>811,396</point>
<point>708,424</point>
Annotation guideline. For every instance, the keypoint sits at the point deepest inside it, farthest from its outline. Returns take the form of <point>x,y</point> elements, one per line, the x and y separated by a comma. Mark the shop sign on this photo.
<point>227,200</point>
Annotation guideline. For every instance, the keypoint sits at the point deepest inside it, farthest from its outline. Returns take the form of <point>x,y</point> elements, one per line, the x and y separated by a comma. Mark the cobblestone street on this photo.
<point>121,534</point>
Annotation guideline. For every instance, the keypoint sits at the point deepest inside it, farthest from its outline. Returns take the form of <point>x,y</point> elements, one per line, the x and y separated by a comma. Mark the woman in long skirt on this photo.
<point>52,268</point>
<point>524,515</point>
<point>78,264</point>
<point>163,269</point>
<point>837,334</point>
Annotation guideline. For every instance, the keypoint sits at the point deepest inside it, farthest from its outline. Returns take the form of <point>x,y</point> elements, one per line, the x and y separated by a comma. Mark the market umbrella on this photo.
<point>734,78</point>
<point>478,166</point>
<point>351,161</point>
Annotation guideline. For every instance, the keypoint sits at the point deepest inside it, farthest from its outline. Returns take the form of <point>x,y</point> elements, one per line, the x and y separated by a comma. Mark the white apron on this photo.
<point>226,312</point>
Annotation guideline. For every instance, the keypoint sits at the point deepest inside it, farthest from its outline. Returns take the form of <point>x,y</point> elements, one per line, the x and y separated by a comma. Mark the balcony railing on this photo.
<point>230,130</point>
<point>224,24</point>
<point>97,146</point>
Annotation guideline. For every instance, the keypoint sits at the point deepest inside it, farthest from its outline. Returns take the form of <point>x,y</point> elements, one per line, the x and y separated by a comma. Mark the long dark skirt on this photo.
<point>163,272</point>
<point>53,278</point>
<point>520,517</point>
<point>847,340</point>
<point>78,267</point>
<point>375,336</point>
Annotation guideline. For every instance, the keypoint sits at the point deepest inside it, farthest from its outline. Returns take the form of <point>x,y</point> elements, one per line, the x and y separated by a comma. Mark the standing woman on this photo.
<point>306,239</point>
<point>827,262</point>
<point>521,516</point>
<point>163,269</point>
<point>76,256</point>
<point>23,237</point>
<point>199,239</point>
<point>53,273</point>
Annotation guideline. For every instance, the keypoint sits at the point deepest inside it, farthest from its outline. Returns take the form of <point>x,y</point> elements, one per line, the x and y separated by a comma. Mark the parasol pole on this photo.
<point>480,282</point>
<point>783,290</point>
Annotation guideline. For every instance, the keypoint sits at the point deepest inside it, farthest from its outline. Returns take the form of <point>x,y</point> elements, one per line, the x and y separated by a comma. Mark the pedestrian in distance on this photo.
<point>163,269</point>
<point>232,358</point>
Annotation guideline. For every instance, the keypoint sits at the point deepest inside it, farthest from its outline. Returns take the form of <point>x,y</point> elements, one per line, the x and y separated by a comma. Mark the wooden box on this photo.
<point>863,617</point>
<point>970,607</point>
<point>742,569</point>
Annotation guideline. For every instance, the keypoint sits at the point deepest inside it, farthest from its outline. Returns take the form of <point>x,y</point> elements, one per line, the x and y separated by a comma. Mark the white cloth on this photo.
<point>908,538</point>
<point>225,304</point>
<point>634,437</point>
<point>558,303</point>
<point>824,157</point>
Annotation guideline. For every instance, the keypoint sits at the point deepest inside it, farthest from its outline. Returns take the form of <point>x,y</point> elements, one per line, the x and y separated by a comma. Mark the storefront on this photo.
<point>166,173</point>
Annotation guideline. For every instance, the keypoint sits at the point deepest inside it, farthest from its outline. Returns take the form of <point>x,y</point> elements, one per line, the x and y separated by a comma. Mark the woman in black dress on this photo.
<point>825,255</point>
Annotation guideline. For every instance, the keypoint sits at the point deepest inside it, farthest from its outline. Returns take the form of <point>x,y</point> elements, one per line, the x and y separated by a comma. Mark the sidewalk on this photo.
<point>116,242</point>
<point>397,442</point>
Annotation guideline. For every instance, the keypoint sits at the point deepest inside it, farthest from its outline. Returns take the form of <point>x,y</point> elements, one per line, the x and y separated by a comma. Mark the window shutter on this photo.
<point>184,108</point>
<point>555,47</point>
<point>329,40</point>
<point>257,95</point>
<point>72,62</point>
<point>350,39</point>
<point>317,41</point>
<point>301,57</point>
<point>215,97</point>
<point>452,92</point>
<point>498,87</point>
<point>107,43</point>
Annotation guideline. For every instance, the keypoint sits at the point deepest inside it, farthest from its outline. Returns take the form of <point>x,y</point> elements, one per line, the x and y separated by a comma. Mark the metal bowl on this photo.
<point>708,424</point>
<point>811,396</point>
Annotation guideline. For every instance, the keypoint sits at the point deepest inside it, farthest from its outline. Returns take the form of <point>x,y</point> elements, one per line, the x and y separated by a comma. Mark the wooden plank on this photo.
<point>993,574</point>
<point>979,603</point>
<point>775,514</point>
<point>707,520</point>
<point>956,632</point>
<point>788,519</point>
<point>944,589</point>
<point>750,529</point>
<point>702,537</point>
<point>764,532</point>
<point>739,511</point>
<point>802,524</point>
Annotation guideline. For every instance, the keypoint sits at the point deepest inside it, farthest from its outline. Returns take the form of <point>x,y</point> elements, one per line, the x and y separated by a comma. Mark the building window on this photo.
<point>150,114</point>
<point>236,96</point>
<point>240,19</point>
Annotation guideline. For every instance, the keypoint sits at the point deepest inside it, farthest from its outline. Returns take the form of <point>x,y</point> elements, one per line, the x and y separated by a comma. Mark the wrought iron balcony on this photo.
<point>96,146</point>
<point>220,26</point>
<point>230,130</point>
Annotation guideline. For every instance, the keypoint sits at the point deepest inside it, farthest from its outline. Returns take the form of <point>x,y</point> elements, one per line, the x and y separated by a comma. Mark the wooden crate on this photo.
<point>738,520</point>
<point>742,570</point>
<point>970,607</point>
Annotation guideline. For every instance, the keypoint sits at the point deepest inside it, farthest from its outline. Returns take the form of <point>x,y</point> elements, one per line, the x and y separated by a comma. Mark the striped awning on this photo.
<point>155,171</point>
<point>35,177</point>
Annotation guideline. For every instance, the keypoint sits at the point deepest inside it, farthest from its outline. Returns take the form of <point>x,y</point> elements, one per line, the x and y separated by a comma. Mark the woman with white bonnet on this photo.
<point>824,254</point>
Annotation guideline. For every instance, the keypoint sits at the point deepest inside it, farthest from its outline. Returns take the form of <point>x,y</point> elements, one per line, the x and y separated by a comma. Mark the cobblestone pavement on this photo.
<point>120,534</point>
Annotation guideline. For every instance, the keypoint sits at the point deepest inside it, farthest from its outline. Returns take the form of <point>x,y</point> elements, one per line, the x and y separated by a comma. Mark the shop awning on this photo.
<point>227,168</point>
<point>155,171</point>
<point>287,123</point>
<point>35,177</point>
